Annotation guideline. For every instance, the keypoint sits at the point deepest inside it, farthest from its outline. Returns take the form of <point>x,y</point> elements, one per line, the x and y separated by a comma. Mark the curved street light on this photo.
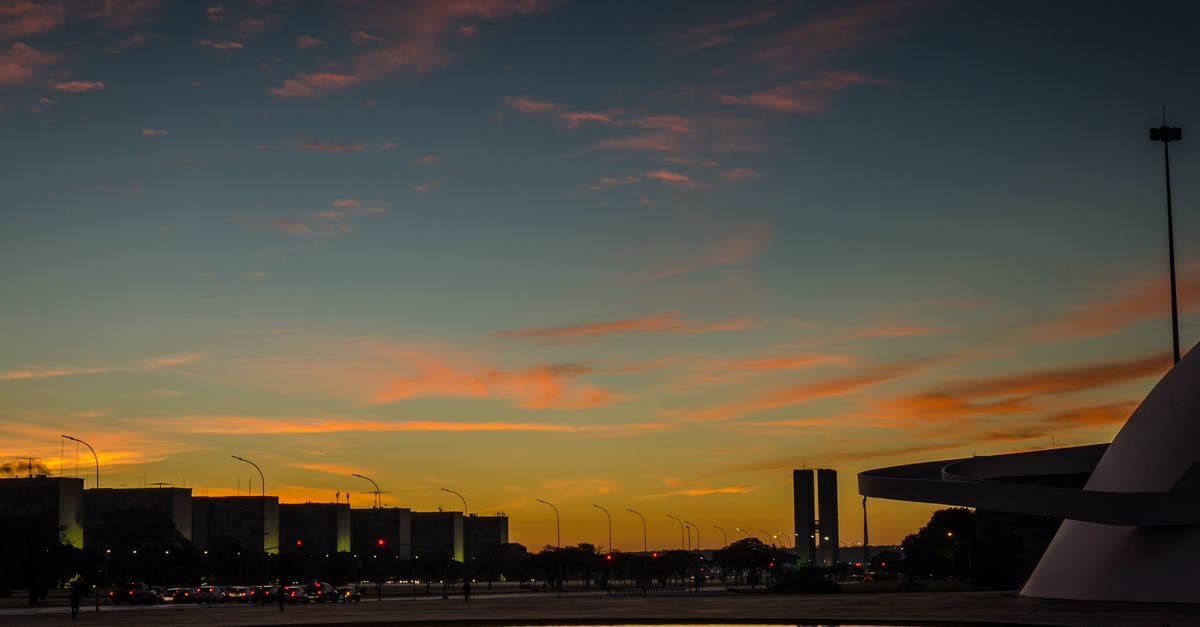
<point>610,546</point>
<point>97,459</point>
<point>723,535</point>
<point>377,501</point>
<point>263,481</point>
<point>697,533</point>
<point>676,519</point>
<point>460,497</point>
<point>645,551</point>
<point>557,546</point>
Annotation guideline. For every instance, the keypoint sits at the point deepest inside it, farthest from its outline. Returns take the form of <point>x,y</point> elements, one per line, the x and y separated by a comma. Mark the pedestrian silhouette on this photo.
<point>466,591</point>
<point>77,593</point>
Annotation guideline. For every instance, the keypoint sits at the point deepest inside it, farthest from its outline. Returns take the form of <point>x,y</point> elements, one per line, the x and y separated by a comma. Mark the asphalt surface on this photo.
<point>944,608</point>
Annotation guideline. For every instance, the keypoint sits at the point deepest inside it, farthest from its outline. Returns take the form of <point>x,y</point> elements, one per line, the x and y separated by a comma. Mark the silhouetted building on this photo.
<point>437,535</point>
<point>53,501</point>
<point>803,503</point>
<point>123,505</point>
<point>827,517</point>
<point>241,523</point>
<point>481,532</point>
<point>315,527</point>
<point>381,529</point>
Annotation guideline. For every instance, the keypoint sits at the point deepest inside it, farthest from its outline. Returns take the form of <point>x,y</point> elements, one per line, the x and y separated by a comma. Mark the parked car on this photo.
<point>210,594</point>
<point>237,594</point>
<point>132,592</point>
<point>264,594</point>
<point>178,595</point>
<point>320,592</point>
<point>294,594</point>
<point>348,594</point>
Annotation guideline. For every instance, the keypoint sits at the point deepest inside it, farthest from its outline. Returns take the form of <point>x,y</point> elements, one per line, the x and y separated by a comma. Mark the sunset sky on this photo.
<point>648,255</point>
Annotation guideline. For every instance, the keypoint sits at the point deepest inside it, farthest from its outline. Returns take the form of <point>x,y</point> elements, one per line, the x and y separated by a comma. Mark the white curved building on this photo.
<point>1131,534</point>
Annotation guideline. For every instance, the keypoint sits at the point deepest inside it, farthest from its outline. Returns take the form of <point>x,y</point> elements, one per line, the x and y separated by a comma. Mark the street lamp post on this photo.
<point>693,525</point>
<point>680,529</point>
<point>557,545</point>
<point>609,516</point>
<point>466,558</point>
<point>378,503</point>
<point>724,536</point>
<point>645,551</point>
<point>263,484</point>
<point>96,585</point>
<point>1167,134</point>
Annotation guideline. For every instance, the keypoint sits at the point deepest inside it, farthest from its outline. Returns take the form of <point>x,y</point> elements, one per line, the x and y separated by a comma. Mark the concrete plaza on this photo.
<point>941,608</point>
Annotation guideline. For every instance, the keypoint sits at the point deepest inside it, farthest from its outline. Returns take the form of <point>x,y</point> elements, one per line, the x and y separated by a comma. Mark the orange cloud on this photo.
<point>1135,300</point>
<point>669,322</point>
<point>666,176</point>
<point>606,182</point>
<point>65,371</point>
<point>840,29</point>
<point>21,63</point>
<point>566,117</point>
<point>312,84</point>
<point>732,249</point>
<point>804,96</point>
<point>304,41</point>
<point>77,86</point>
<point>542,387</point>
<point>739,174</point>
<point>333,469</point>
<point>414,40</point>
<point>224,46</point>
<point>154,132</point>
<point>796,394</point>
<point>1066,380</point>
<point>660,142</point>
<point>702,37</point>
<point>260,425</point>
<point>703,491</point>
<point>425,188</point>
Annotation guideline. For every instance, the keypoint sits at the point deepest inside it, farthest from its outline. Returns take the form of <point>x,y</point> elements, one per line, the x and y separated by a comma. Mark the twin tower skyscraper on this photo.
<point>816,511</point>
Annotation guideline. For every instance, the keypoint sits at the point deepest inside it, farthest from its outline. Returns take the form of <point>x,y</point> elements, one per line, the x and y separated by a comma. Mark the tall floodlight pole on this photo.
<point>866,540</point>
<point>610,546</point>
<point>645,551</point>
<point>378,503</point>
<point>96,585</point>
<point>263,482</point>
<point>557,544</point>
<point>460,497</point>
<point>724,536</point>
<point>680,529</point>
<point>1167,134</point>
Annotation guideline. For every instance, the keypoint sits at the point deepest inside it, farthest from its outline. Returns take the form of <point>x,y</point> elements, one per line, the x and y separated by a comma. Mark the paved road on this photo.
<point>947,608</point>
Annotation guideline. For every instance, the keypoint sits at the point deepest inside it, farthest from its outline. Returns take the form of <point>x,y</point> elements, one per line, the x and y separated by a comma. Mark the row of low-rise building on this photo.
<point>252,523</point>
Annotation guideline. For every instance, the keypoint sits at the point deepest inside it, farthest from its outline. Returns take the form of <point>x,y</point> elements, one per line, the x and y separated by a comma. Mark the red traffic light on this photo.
<point>608,557</point>
<point>299,542</point>
<point>654,554</point>
<point>379,542</point>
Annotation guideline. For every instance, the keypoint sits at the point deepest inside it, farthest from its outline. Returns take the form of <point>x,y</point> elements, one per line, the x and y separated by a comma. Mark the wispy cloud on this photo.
<point>606,182</point>
<point>407,37</point>
<point>154,132</point>
<point>1132,300</point>
<point>325,223</point>
<point>223,46</point>
<point>731,249</point>
<point>739,488</point>
<point>21,64</point>
<point>260,425</point>
<point>565,116</point>
<point>152,363</point>
<point>791,395</point>
<point>310,143</point>
<point>305,41</point>
<point>427,160</point>
<point>76,87</point>
<point>543,387</point>
<point>710,35</point>
<point>803,96</point>
<point>425,188</point>
<point>669,322</point>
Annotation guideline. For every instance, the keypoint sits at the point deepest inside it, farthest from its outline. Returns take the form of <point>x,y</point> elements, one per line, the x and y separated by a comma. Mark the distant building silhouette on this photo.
<point>249,522</point>
<point>378,530</point>
<point>56,501</point>
<point>482,532</point>
<point>320,528</point>
<point>173,504</point>
<point>816,528</point>
<point>437,535</point>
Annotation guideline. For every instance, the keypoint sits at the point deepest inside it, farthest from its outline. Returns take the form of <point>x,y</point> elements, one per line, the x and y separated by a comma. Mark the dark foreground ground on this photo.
<point>940,608</point>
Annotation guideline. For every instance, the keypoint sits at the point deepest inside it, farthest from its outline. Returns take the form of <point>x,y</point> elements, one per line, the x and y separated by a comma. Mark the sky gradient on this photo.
<point>640,255</point>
